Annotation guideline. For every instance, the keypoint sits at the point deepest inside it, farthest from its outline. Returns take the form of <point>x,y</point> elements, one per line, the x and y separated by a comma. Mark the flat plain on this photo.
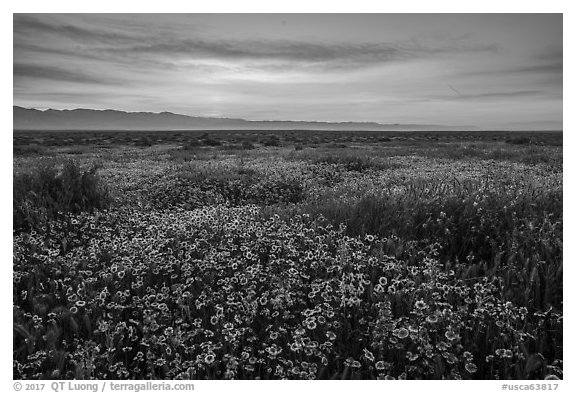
<point>287,255</point>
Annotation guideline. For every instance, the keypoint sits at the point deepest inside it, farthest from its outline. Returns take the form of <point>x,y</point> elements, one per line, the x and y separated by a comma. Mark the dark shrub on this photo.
<point>349,162</point>
<point>272,141</point>
<point>21,150</point>
<point>247,145</point>
<point>48,192</point>
<point>192,144</point>
<point>519,141</point>
<point>143,142</point>
<point>212,142</point>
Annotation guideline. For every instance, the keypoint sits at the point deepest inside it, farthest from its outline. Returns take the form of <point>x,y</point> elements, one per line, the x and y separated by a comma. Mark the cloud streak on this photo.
<point>285,52</point>
<point>55,74</point>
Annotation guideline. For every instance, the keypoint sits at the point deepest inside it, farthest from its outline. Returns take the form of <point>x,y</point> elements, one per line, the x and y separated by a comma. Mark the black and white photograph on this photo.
<point>287,196</point>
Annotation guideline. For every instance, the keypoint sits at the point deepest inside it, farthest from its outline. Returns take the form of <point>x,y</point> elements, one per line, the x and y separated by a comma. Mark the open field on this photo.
<point>290,254</point>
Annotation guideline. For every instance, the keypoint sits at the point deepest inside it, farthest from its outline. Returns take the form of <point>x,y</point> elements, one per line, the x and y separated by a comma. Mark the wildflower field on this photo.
<point>287,255</point>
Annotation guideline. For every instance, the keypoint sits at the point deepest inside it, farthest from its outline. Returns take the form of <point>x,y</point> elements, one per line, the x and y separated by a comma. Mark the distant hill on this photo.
<point>88,119</point>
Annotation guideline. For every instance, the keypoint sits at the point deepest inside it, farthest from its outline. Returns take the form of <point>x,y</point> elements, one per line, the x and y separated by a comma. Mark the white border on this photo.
<point>298,6</point>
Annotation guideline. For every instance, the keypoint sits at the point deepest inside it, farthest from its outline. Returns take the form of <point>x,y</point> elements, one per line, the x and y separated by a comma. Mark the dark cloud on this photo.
<point>541,68</point>
<point>493,95</point>
<point>23,71</point>
<point>553,68</point>
<point>27,25</point>
<point>302,52</point>
<point>146,46</point>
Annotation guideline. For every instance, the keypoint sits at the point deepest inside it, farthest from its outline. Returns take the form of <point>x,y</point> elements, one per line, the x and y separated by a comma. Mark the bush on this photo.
<point>212,142</point>
<point>143,142</point>
<point>247,145</point>
<point>192,144</point>
<point>272,141</point>
<point>349,162</point>
<point>519,141</point>
<point>49,192</point>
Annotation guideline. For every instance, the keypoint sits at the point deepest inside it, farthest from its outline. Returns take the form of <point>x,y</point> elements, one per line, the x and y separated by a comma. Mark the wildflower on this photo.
<point>383,281</point>
<point>80,303</point>
<point>432,318</point>
<point>368,355</point>
<point>471,368</point>
<point>421,305</point>
<point>380,365</point>
<point>73,309</point>
<point>209,358</point>
<point>450,335</point>
<point>401,333</point>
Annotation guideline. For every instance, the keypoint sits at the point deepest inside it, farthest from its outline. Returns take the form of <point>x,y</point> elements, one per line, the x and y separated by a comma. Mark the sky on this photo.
<point>493,71</point>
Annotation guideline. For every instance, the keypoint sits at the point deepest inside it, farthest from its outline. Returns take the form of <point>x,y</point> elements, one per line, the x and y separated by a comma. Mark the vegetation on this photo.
<point>406,258</point>
<point>48,191</point>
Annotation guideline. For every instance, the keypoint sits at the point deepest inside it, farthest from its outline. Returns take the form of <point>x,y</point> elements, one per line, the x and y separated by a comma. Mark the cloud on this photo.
<point>492,95</point>
<point>339,55</point>
<point>555,68</point>
<point>138,44</point>
<point>22,71</point>
<point>27,25</point>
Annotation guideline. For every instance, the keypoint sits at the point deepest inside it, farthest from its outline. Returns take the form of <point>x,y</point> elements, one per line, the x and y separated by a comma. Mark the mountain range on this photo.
<point>95,120</point>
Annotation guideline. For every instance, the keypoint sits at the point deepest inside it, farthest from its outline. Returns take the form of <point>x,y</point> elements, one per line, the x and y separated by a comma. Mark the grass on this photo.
<point>50,190</point>
<point>368,261</point>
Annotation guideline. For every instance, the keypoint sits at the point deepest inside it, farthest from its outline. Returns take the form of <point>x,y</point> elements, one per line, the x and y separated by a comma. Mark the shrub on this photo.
<point>247,145</point>
<point>143,142</point>
<point>48,191</point>
<point>212,142</point>
<point>349,162</point>
<point>519,141</point>
<point>272,141</point>
<point>28,150</point>
<point>192,144</point>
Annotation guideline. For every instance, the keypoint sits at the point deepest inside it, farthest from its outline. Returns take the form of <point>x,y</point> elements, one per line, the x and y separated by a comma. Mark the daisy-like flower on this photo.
<point>421,305</point>
<point>450,335</point>
<point>311,325</point>
<point>380,365</point>
<point>471,368</point>
<point>432,318</point>
<point>401,333</point>
<point>383,281</point>
<point>368,355</point>
<point>80,303</point>
<point>209,358</point>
